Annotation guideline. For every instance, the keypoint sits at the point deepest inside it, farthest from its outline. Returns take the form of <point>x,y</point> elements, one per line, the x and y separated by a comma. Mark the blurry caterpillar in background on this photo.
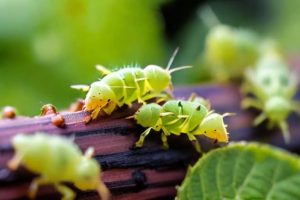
<point>273,87</point>
<point>229,51</point>
<point>57,159</point>
<point>181,117</point>
<point>126,86</point>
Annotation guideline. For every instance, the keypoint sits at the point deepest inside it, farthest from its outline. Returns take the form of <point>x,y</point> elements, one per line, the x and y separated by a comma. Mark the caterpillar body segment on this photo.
<point>181,117</point>
<point>185,118</point>
<point>273,87</point>
<point>56,160</point>
<point>116,89</point>
<point>125,86</point>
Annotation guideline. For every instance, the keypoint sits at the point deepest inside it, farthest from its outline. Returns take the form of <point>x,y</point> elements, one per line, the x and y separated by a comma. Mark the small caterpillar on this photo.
<point>273,87</point>
<point>126,86</point>
<point>181,117</point>
<point>229,51</point>
<point>57,160</point>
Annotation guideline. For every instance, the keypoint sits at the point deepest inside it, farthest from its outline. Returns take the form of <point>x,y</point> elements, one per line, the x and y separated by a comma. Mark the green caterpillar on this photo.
<point>181,117</point>
<point>273,87</point>
<point>229,51</point>
<point>57,160</point>
<point>126,86</point>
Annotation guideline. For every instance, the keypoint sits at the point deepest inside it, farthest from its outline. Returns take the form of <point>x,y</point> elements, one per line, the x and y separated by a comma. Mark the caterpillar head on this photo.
<point>158,78</point>
<point>99,95</point>
<point>213,127</point>
<point>87,174</point>
<point>277,108</point>
<point>148,115</point>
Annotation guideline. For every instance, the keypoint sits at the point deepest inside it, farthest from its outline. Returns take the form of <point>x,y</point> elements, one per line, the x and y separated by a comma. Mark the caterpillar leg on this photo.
<point>195,143</point>
<point>67,193</point>
<point>34,186</point>
<point>285,130</point>
<point>95,112</point>
<point>258,120</point>
<point>103,191</point>
<point>110,107</point>
<point>250,102</point>
<point>164,140</point>
<point>140,100</point>
<point>140,142</point>
<point>197,146</point>
<point>14,163</point>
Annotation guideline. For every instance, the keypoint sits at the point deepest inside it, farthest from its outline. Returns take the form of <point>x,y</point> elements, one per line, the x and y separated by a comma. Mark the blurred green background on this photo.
<point>46,46</point>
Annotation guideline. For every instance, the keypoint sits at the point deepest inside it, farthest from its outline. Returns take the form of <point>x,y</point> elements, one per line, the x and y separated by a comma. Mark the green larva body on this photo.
<point>181,117</point>
<point>229,51</point>
<point>56,160</point>
<point>126,86</point>
<point>273,87</point>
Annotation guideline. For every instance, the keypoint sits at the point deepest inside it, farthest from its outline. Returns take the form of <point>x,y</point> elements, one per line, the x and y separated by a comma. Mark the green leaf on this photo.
<point>243,171</point>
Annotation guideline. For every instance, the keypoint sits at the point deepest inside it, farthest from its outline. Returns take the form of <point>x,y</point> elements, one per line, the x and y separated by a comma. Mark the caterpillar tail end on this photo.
<point>197,146</point>
<point>103,191</point>
<point>140,142</point>
<point>259,119</point>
